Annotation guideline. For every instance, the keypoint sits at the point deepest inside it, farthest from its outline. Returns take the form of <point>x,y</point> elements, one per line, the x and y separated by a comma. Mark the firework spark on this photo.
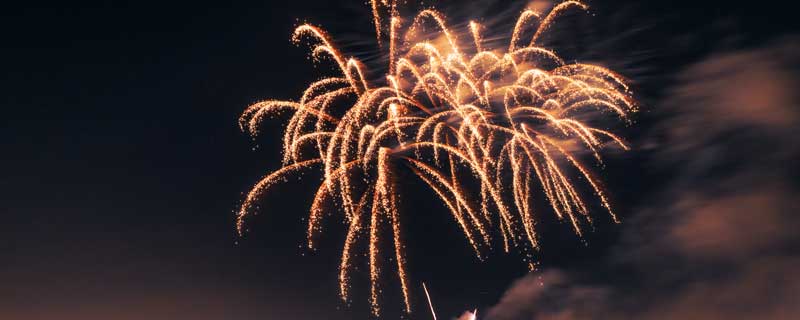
<point>484,127</point>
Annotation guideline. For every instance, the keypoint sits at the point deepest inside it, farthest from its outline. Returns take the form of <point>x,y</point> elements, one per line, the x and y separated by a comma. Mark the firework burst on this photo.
<point>487,129</point>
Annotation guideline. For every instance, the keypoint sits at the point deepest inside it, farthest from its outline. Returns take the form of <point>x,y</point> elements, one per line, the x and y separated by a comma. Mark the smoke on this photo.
<point>467,315</point>
<point>719,240</point>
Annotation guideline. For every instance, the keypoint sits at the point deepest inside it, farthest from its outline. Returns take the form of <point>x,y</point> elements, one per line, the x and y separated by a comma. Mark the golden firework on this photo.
<point>483,127</point>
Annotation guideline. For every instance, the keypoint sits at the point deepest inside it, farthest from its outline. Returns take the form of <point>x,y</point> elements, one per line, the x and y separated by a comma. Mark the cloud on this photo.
<point>746,87</point>
<point>548,295</point>
<point>750,93</point>
<point>719,240</point>
<point>733,226</point>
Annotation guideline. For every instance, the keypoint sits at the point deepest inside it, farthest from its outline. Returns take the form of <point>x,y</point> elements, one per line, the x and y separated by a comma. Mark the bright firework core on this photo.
<point>488,129</point>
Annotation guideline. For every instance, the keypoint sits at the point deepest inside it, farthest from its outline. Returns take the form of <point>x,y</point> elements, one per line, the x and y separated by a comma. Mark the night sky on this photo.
<point>123,165</point>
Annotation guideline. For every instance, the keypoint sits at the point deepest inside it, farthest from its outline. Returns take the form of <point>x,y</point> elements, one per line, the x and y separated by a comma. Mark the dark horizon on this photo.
<point>124,166</point>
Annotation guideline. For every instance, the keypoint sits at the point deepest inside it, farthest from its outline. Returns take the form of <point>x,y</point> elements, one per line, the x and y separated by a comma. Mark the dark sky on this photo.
<point>122,161</point>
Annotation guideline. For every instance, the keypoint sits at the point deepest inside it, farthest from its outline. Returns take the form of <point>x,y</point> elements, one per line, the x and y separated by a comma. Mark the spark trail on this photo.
<point>489,130</point>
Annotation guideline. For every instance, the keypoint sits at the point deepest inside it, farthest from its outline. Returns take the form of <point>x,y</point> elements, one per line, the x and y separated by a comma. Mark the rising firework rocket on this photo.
<point>466,316</point>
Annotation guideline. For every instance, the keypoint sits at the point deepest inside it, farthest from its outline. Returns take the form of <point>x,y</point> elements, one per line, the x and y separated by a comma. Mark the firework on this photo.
<point>487,129</point>
<point>430,303</point>
<point>466,316</point>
